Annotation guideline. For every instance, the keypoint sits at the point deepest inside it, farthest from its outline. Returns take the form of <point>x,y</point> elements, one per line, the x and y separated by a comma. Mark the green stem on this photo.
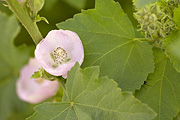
<point>26,20</point>
<point>62,84</point>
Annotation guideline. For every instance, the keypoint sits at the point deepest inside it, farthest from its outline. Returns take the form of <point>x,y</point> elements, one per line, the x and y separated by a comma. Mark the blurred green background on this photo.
<point>56,11</point>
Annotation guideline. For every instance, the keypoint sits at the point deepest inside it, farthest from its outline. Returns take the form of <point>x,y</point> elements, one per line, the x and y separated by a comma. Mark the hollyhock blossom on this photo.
<point>59,51</point>
<point>34,90</point>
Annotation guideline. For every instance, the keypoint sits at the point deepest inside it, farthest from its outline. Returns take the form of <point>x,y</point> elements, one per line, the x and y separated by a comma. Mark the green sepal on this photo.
<point>41,73</point>
<point>38,18</point>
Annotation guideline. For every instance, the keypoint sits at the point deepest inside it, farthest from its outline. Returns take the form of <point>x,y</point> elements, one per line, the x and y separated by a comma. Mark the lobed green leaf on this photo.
<point>172,45</point>
<point>161,90</point>
<point>89,97</point>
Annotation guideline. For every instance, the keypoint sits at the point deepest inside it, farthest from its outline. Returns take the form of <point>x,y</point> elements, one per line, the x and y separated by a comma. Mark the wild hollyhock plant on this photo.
<point>59,51</point>
<point>34,90</point>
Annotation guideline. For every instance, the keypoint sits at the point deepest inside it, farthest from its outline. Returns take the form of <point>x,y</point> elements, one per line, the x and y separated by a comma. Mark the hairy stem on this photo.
<point>62,84</point>
<point>26,20</point>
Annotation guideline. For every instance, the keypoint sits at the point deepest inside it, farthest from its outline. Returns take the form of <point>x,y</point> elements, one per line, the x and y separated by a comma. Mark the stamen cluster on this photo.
<point>60,56</point>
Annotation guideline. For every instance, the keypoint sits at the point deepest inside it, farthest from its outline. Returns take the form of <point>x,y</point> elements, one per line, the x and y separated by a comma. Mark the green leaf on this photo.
<point>36,74</point>
<point>142,3</point>
<point>177,16</point>
<point>161,90</point>
<point>41,73</point>
<point>11,60</point>
<point>90,98</point>
<point>172,42</point>
<point>109,42</point>
<point>172,45</point>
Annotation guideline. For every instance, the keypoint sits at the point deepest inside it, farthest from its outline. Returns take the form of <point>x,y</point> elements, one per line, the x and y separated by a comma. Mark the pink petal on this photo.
<point>65,39</point>
<point>32,91</point>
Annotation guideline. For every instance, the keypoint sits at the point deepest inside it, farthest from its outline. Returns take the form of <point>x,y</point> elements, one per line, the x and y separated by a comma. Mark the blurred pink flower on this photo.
<point>59,51</point>
<point>34,90</point>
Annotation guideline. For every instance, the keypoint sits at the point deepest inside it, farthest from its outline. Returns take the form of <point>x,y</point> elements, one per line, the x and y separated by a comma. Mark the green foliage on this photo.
<point>161,90</point>
<point>142,3</point>
<point>109,41</point>
<point>12,58</point>
<point>177,16</point>
<point>41,73</point>
<point>172,3</point>
<point>37,74</point>
<point>172,45</point>
<point>89,98</point>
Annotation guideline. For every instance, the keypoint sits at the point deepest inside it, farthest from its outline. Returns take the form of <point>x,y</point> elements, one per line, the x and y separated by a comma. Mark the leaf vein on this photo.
<point>111,51</point>
<point>59,113</point>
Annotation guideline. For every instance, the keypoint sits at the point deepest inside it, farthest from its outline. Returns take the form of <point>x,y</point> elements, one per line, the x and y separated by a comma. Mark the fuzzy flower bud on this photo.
<point>155,21</point>
<point>59,51</point>
<point>35,6</point>
<point>172,3</point>
<point>34,90</point>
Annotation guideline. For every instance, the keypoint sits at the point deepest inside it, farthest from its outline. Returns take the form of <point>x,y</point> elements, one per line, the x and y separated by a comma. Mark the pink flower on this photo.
<point>59,51</point>
<point>34,90</point>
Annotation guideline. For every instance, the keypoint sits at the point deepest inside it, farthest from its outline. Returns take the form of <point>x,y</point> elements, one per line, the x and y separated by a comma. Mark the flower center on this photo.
<point>59,56</point>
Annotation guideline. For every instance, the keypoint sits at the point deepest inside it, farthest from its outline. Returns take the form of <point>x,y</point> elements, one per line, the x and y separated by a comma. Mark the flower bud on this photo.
<point>172,3</point>
<point>155,21</point>
<point>35,6</point>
